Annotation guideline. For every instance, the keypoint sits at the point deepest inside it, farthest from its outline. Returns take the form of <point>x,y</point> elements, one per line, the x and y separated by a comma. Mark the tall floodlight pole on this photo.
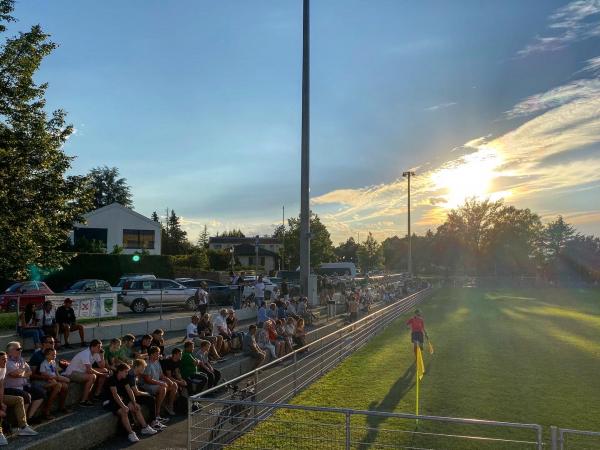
<point>305,159</point>
<point>408,175</point>
<point>282,261</point>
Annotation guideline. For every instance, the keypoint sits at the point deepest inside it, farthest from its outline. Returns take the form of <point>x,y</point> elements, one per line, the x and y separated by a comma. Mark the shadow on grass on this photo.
<point>400,388</point>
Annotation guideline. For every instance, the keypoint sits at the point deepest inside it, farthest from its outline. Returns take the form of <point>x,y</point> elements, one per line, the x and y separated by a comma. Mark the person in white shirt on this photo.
<point>82,370</point>
<point>191,331</point>
<point>259,291</point>
<point>202,295</point>
<point>46,317</point>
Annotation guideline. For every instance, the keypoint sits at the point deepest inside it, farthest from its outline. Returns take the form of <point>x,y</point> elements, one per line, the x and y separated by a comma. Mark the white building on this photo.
<point>117,225</point>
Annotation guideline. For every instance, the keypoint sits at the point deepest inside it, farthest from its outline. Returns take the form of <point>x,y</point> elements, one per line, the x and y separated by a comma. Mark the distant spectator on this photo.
<point>353,308</point>
<point>289,329</point>
<point>122,401</point>
<point>67,322</point>
<point>28,326</point>
<point>285,293</point>
<point>251,348</point>
<point>301,307</point>
<point>158,340</point>
<point>234,281</point>
<point>46,317</point>
<point>202,298</point>
<point>14,402</point>
<point>277,336</point>
<point>290,309</point>
<point>142,346</point>
<point>43,380</point>
<point>272,311</point>
<point>259,291</point>
<point>261,315</point>
<point>171,367</point>
<point>263,340</point>
<point>205,331</point>
<point>17,380</point>
<point>87,367</point>
<point>156,383</point>
<point>220,329</point>
<point>111,354</point>
<point>204,365</point>
<point>192,333</point>
<point>196,380</point>
<point>56,383</point>
<point>281,309</point>
<point>232,323</point>
<point>300,334</point>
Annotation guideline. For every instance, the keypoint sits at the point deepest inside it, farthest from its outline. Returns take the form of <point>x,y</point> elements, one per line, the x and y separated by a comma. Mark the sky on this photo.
<point>197,103</point>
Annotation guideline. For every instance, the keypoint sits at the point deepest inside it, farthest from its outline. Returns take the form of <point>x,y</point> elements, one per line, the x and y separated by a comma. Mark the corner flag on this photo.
<point>420,373</point>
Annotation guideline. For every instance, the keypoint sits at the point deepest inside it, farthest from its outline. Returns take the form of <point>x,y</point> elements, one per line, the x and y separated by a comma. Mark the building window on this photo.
<point>138,239</point>
<point>262,261</point>
<point>91,234</point>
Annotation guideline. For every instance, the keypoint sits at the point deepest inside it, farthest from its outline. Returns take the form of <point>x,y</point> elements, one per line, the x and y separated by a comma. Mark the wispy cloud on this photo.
<point>440,106</point>
<point>592,66</point>
<point>576,21</point>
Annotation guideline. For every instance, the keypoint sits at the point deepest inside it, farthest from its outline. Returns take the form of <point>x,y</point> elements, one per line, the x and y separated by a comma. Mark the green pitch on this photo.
<point>529,356</point>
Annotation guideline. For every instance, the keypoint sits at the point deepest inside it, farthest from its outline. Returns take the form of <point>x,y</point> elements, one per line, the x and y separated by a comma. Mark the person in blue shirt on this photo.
<point>261,315</point>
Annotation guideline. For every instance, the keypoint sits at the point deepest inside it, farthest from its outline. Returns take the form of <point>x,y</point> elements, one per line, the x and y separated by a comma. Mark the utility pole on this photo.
<point>408,175</point>
<point>282,263</point>
<point>256,241</point>
<point>305,158</point>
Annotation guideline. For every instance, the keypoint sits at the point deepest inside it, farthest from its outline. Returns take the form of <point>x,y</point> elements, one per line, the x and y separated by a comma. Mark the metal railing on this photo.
<point>309,427</point>
<point>284,377</point>
<point>560,439</point>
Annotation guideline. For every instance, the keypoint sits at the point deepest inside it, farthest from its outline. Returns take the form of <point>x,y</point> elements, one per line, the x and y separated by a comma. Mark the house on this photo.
<point>245,250</point>
<point>117,225</point>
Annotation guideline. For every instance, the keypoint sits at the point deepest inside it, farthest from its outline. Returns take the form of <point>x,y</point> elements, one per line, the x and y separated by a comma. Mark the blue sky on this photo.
<point>198,104</point>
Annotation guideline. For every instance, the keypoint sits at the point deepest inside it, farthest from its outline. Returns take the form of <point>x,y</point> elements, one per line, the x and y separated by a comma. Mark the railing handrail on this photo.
<point>312,343</point>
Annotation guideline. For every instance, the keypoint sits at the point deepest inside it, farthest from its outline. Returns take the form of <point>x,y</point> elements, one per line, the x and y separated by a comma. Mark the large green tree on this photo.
<point>174,238</point>
<point>321,247</point>
<point>347,251</point>
<point>370,254</point>
<point>109,187</point>
<point>39,202</point>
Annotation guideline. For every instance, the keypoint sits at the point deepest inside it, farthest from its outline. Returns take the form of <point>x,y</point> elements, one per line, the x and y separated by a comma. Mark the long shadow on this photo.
<point>388,404</point>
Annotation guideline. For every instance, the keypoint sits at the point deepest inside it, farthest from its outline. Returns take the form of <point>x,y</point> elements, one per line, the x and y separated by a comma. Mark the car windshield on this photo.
<point>78,285</point>
<point>14,287</point>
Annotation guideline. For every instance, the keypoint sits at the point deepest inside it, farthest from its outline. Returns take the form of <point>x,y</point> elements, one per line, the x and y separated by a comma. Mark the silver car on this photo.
<point>140,295</point>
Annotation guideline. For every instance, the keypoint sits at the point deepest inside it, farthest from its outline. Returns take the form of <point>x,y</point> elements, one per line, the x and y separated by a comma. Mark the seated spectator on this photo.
<point>205,367</point>
<point>126,353</point>
<point>301,308</point>
<point>111,354</point>
<point>17,381</point>
<point>42,380</point>
<point>142,346</point>
<point>55,382</point>
<point>291,309</point>
<point>299,334</point>
<point>280,347</point>
<point>264,341</point>
<point>28,326</point>
<point>289,329</point>
<point>232,323</point>
<point>205,331</point>
<point>281,310</point>
<point>158,340</point>
<point>65,318</point>
<point>220,329</point>
<point>87,367</point>
<point>251,348</point>
<point>158,385</point>
<point>171,367</point>
<point>261,315</point>
<point>46,317</point>
<point>196,380</point>
<point>192,333</point>
<point>135,377</point>
<point>121,402</point>
<point>14,402</point>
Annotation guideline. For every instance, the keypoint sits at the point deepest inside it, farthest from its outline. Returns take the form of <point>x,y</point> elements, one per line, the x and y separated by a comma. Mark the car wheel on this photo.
<point>12,306</point>
<point>190,304</point>
<point>139,306</point>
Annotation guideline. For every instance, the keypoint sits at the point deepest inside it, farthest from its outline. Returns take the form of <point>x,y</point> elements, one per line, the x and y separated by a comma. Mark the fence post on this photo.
<point>295,373</point>
<point>554,436</point>
<point>348,435</point>
<point>189,426</point>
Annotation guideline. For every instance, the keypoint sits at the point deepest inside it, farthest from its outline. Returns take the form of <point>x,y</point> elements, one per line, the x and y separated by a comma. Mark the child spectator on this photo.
<point>50,369</point>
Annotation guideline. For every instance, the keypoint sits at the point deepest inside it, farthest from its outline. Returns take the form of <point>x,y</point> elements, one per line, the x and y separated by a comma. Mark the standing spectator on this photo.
<point>55,382</point>
<point>195,380</point>
<point>202,294</point>
<point>17,380</point>
<point>157,384</point>
<point>259,291</point>
<point>158,340</point>
<point>206,367</point>
<point>353,308</point>
<point>42,380</point>
<point>46,317</point>
<point>15,402</point>
<point>87,367</point>
<point>121,402</point>
<point>261,315</point>
<point>234,281</point>
<point>251,348</point>
<point>171,367</point>
<point>65,318</point>
<point>28,326</point>
<point>242,285</point>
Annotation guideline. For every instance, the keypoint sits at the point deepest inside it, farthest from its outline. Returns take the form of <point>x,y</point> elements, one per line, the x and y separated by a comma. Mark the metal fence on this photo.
<point>282,378</point>
<point>565,438</point>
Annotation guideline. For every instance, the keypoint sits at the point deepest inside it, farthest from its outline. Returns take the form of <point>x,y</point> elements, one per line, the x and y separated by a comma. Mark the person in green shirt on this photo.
<point>126,351</point>
<point>189,370</point>
<point>111,354</point>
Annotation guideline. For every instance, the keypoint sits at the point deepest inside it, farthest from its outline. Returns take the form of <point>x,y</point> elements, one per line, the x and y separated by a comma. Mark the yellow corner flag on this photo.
<point>420,373</point>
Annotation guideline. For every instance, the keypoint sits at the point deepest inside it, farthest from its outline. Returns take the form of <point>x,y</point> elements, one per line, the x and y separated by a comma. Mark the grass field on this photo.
<point>528,356</point>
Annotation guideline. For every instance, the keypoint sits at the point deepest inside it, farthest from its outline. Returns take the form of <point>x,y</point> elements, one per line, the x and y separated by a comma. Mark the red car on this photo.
<point>29,292</point>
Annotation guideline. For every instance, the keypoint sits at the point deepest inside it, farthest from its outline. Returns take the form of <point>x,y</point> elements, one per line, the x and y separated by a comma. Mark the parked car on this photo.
<point>131,276</point>
<point>218,293</point>
<point>27,291</point>
<point>140,295</point>
<point>88,286</point>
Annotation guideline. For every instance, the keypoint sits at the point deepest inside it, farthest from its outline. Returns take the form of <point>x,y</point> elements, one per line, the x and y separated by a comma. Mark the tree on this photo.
<point>174,239</point>
<point>155,217</point>
<point>39,202</point>
<point>370,254</point>
<point>203,238</point>
<point>347,251</point>
<point>109,188</point>
<point>321,247</point>
<point>556,236</point>
<point>233,233</point>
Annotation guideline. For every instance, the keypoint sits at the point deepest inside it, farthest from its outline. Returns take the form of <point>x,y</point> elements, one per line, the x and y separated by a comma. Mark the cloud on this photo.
<point>576,21</point>
<point>593,66</point>
<point>519,166</point>
<point>441,106</point>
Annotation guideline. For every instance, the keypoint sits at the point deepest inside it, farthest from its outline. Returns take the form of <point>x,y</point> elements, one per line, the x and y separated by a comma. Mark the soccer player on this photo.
<point>417,328</point>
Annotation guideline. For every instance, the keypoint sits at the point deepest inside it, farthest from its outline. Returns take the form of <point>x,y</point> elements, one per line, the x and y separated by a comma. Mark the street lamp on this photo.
<point>408,175</point>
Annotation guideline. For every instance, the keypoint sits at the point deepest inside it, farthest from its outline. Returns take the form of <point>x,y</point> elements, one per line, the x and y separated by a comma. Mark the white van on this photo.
<point>338,268</point>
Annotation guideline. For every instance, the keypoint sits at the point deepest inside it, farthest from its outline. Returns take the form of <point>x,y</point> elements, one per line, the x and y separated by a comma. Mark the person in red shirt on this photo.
<point>417,328</point>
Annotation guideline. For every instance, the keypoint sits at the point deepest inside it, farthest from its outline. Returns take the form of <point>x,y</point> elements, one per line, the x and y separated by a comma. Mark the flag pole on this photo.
<point>417,402</point>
